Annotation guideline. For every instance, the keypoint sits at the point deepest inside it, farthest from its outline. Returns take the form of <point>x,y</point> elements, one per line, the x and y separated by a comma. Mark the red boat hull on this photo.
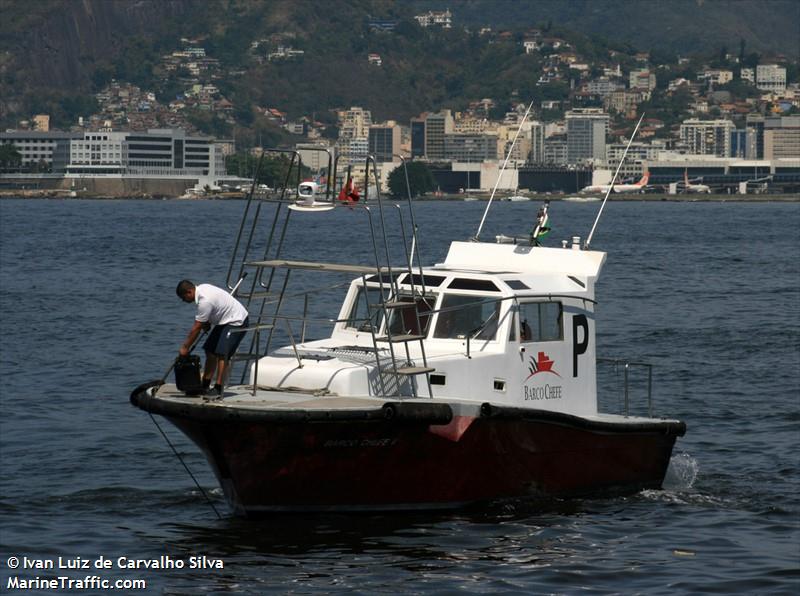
<point>411,464</point>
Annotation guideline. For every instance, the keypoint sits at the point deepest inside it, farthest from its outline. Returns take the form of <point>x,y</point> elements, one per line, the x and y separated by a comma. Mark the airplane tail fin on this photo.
<point>686,177</point>
<point>645,178</point>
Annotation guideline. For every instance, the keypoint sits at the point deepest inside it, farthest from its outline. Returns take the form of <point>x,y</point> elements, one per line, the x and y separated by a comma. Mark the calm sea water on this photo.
<point>708,292</point>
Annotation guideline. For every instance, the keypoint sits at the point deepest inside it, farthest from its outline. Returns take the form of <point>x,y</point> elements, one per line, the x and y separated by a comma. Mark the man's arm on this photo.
<point>192,337</point>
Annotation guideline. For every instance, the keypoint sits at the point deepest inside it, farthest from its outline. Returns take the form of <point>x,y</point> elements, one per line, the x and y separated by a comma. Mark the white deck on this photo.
<point>242,396</point>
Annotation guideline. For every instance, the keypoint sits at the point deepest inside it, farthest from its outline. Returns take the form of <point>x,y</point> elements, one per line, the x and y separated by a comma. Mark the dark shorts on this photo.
<point>224,339</point>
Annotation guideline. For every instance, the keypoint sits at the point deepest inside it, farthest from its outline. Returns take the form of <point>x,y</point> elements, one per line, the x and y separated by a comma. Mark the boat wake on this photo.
<point>678,486</point>
<point>681,473</point>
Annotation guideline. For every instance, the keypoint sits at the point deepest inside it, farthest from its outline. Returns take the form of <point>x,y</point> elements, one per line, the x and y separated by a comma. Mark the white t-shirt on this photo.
<point>216,306</point>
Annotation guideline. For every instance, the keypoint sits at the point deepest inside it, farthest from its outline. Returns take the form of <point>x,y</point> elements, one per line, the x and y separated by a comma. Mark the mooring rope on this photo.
<point>180,459</point>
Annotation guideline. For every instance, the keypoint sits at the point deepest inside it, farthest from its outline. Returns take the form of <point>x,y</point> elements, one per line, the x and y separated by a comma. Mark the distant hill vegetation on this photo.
<point>54,54</point>
<point>683,26</point>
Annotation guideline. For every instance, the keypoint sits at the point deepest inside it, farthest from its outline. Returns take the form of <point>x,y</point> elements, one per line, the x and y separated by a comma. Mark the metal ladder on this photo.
<point>261,293</point>
<point>396,303</point>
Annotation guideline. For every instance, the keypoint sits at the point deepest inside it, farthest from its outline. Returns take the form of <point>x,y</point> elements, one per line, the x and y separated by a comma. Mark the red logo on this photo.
<point>541,364</point>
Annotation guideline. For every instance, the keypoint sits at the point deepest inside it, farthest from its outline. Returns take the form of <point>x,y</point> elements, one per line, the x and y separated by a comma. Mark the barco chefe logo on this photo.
<point>538,365</point>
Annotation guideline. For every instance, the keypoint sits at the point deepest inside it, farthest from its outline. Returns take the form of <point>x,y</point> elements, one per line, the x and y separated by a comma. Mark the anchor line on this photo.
<point>183,463</point>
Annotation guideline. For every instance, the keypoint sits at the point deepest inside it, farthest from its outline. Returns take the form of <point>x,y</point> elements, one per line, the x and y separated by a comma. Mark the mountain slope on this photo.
<point>684,26</point>
<point>63,50</point>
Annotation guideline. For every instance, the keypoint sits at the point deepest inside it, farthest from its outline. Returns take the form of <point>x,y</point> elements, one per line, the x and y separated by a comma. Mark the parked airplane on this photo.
<point>689,187</point>
<point>637,187</point>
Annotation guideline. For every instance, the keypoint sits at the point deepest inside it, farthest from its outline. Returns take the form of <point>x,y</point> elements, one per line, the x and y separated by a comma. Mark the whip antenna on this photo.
<point>613,180</point>
<point>503,169</point>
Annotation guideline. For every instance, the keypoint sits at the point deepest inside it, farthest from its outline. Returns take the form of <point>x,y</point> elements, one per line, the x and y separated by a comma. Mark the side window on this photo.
<point>540,321</point>
<point>359,318</point>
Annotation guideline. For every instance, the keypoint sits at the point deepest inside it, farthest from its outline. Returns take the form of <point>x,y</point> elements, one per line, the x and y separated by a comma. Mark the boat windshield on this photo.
<point>404,320</point>
<point>467,316</point>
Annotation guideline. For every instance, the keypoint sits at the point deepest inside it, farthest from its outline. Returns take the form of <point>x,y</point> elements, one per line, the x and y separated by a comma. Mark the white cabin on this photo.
<point>500,323</point>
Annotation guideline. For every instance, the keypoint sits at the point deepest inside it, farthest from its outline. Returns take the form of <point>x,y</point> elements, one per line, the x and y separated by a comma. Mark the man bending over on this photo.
<point>218,309</point>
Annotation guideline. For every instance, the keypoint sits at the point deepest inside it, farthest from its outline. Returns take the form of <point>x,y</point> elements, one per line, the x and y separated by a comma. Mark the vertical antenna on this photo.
<point>613,180</point>
<point>503,169</point>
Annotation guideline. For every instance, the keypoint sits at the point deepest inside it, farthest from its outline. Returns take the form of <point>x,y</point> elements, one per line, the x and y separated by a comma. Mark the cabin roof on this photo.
<point>505,259</point>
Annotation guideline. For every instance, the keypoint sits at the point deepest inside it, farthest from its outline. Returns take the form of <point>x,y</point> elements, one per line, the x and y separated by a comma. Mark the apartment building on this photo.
<point>436,127</point>
<point>354,125</point>
<point>707,137</point>
<point>470,148</point>
<point>642,78</point>
<point>586,135</point>
<point>771,77</point>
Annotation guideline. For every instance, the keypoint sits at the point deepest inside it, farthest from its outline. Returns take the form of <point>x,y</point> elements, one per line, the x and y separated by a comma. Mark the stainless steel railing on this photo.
<point>625,366</point>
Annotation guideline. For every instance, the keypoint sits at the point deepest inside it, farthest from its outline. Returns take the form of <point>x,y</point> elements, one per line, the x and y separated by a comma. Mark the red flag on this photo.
<point>349,192</point>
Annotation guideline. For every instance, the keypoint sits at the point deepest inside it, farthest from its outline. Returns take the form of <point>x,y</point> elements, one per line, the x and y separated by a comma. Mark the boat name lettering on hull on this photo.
<point>545,392</point>
<point>359,442</point>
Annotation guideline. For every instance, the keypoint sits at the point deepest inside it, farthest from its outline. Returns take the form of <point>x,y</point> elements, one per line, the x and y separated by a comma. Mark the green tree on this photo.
<point>420,180</point>
<point>272,171</point>
<point>10,158</point>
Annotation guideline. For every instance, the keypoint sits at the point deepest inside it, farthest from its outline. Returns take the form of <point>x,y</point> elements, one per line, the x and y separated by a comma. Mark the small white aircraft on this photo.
<point>688,187</point>
<point>636,187</point>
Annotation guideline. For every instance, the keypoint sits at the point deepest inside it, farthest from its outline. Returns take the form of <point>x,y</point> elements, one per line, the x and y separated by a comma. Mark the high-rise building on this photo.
<point>754,127</point>
<point>418,137</point>
<point>436,127</point>
<point>555,150</point>
<point>586,135</point>
<point>353,133</point>
<point>707,137</point>
<point>470,148</point>
<point>384,141</point>
<point>782,137</point>
<point>537,143</point>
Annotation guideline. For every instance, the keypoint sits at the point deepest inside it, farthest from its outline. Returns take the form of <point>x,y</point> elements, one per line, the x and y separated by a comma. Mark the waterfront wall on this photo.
<point>101,187</point>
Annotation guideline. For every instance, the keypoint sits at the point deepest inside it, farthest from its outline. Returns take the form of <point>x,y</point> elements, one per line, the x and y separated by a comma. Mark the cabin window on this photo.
<point>479,285</point>
<point>541,321</point>
<point>360,316</point>
<point>516,284</point>
<point>384,277</point>
<point>403,320</point>
<point>431,281</point>
<point>467,316</point>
